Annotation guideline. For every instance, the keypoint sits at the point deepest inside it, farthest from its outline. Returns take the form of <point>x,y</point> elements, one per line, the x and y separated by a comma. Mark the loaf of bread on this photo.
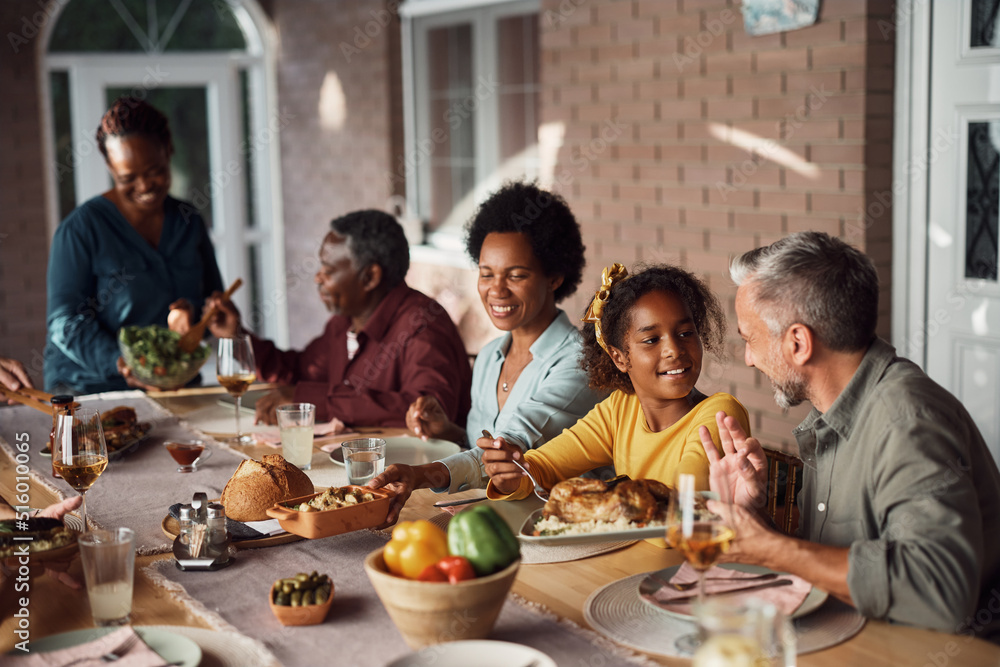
<point>257,485</point>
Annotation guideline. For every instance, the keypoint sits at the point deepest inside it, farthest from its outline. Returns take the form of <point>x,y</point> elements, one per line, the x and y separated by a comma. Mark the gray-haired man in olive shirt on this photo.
<point>901,496</point>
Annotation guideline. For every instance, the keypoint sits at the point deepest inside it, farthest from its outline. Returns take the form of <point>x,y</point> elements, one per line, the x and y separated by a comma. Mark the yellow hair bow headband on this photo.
<point>609,278</point>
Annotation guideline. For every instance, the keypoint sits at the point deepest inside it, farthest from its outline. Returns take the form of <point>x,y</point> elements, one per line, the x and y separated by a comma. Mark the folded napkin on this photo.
<point>720,580</point>
<point>271,435</point>
<point>124,642</point>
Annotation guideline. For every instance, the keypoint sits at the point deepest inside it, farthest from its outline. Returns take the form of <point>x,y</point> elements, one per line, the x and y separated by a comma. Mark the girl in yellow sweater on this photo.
<point>644,337</point>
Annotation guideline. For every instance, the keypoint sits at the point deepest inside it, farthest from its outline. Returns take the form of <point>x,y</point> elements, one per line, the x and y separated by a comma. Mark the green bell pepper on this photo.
<point>483,538</point>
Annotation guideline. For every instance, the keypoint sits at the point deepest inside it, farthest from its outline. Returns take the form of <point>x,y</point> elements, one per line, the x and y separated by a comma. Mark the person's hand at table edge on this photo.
<point>403,479</point>
<point>265,411</point>
<point>13,375</point>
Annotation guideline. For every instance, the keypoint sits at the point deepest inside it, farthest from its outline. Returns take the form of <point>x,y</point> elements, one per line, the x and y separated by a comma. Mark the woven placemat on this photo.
<point>617,612</point>
<point>535,554</point>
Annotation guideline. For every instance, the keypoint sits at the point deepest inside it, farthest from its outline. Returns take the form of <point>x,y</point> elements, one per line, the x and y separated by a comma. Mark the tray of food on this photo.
<point>122,432</point>
<point>50,539</point>
<point>335,511</point>
<point>585,511</point>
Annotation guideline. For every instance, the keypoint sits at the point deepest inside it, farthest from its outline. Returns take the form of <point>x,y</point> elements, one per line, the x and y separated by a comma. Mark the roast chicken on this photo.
<point>579,499</point>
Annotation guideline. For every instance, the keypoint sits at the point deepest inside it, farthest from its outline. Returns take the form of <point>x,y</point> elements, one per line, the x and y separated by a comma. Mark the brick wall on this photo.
<point>333,160</point>
<point>23,221</point>
<point>663,101</point>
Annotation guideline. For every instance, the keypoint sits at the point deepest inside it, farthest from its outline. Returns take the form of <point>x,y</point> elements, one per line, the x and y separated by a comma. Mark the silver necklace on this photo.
<point>504,385</point>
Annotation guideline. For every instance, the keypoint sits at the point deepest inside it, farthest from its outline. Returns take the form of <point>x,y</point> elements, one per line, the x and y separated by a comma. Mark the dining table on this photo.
<point>555,591</point>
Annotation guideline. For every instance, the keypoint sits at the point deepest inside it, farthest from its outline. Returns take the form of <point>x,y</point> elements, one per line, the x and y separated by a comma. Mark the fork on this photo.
<point>692,584</point>
<point>534,483</point>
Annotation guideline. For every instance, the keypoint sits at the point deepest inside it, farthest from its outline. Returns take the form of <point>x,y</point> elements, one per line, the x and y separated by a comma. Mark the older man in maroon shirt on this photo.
<point>385,344</point>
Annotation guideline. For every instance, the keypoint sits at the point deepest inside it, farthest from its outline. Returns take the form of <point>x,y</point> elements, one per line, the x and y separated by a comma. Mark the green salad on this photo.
<point>154,349</point>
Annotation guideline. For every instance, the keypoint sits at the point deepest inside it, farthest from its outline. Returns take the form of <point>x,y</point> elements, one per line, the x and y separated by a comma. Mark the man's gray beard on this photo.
<point>790,392</point>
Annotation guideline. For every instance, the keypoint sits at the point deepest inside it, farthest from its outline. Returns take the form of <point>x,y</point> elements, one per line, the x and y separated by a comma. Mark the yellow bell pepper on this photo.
<point>414,546</point>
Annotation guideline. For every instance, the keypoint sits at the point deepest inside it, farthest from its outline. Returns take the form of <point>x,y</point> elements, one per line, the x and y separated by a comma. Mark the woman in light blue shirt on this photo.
<point>528,384</point>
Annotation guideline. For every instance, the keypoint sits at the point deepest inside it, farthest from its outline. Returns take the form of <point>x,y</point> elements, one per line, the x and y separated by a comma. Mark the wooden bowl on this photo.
<point>428,613</point>
<point>314,525</point>
<point>312,614</point>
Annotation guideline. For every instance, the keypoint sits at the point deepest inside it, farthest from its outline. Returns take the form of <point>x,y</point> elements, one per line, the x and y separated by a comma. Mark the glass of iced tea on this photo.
<point>189,454</point>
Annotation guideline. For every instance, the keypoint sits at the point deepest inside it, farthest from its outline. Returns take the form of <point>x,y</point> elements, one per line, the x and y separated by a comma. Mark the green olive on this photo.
<point>297,598</point>
<point>307,598</point>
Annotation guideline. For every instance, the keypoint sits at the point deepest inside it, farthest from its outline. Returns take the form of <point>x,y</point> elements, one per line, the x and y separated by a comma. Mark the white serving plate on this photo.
<point>481,653</point>
<point>525,534</point>
<point>407,450</point>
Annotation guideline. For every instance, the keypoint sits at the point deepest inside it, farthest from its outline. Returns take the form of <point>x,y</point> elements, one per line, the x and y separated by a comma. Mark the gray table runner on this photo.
<point>358,630</point>
<point>136,490</point>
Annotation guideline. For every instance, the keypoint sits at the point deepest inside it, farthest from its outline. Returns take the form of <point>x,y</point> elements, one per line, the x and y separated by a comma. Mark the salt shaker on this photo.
<point>186,523</point>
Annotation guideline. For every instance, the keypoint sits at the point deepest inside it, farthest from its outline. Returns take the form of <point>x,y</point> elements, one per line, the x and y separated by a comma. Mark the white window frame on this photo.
<point>218,71</point>
<point>446,246</point>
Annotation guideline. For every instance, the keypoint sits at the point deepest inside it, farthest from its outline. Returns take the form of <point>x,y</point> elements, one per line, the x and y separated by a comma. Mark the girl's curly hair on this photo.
<point>709,319</point>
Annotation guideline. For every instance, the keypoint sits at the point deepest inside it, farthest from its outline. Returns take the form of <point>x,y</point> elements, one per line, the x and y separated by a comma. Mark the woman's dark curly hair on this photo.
<point>130,115</point>
<point>709,319</point>
<point>544,218</point>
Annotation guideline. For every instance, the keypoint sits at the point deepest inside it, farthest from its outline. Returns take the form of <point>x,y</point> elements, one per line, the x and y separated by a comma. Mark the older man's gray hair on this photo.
<point>813,279</point>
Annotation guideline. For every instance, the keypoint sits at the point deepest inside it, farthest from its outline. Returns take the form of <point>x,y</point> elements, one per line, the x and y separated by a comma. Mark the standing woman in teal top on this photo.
<point>124,257</point>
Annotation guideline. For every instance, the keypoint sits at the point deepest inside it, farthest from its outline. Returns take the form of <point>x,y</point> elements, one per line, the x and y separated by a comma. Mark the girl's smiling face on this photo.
<point>664,349</point>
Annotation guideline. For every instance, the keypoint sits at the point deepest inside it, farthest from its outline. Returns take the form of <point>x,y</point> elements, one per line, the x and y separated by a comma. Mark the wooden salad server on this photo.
<point>189,341</point>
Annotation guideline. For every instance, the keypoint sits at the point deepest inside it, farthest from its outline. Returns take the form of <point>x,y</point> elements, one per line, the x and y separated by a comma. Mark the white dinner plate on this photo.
<point>481,653</point>
<point>653,582</point>
<point>408,450</point>
<point>168,645</point>
<point>527,529</point>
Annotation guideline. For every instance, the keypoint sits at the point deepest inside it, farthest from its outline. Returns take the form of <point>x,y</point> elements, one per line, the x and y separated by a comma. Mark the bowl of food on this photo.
<point>335,511</point>
<point>156,359</point>
<point>303,599</point>
<point>430,612</point>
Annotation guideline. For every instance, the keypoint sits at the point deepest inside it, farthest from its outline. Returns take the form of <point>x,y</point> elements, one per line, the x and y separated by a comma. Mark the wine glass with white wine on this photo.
<point>235,371</point>
<point>79,452</point>
<point>700,535</point>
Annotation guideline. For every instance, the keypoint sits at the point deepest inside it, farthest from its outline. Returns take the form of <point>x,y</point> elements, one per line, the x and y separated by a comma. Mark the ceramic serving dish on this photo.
<point>310,614</point>
<point>428,613</point>
<point>325,523</point>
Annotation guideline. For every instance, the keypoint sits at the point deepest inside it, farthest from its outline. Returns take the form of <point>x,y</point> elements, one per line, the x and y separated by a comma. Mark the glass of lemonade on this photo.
<point>295,422</point>
<point>108,558</point>
<point>364,458</point>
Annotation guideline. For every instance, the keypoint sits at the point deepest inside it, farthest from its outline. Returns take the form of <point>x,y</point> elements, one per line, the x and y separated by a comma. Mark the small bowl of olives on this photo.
<point>302,599</point>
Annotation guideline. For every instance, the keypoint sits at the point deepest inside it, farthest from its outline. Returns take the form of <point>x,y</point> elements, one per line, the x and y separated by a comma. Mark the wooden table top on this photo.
<point>561,587</point>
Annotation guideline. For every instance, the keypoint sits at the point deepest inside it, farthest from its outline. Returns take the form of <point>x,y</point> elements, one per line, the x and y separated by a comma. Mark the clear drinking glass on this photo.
<point>79,452</point>
<point>700,535</point>
<point>749,632</point>
<point>295,423</point>
<point>108,558</point>
<point>235,370</point>
<point>364,458</point>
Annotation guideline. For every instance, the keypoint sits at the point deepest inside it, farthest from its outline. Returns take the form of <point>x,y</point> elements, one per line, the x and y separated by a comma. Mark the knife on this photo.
<point>452,503</point>
<point>770,584</point>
